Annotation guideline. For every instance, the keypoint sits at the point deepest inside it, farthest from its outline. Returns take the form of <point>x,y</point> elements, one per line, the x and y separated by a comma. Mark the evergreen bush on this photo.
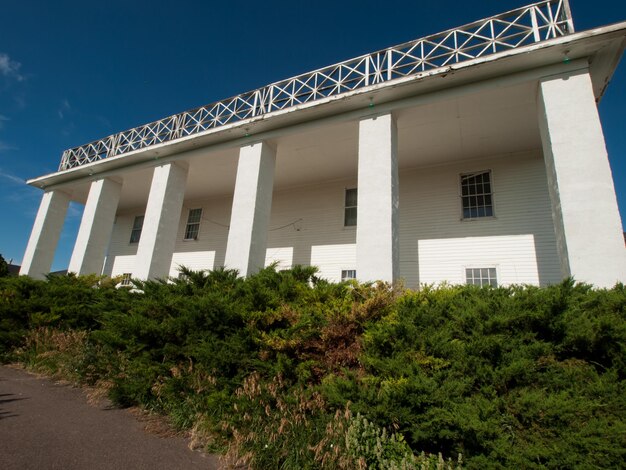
<point>286,370</point>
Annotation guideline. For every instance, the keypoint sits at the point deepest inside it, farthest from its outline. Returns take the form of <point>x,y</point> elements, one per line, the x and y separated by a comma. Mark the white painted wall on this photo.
<point>377,228</point>
<point>430,209</point>
<point>95,227</point>
<point>584,206</point>
<point>306,227</point>
<point>252,204</point>
<point>45,234</point>
<point>513,256</point>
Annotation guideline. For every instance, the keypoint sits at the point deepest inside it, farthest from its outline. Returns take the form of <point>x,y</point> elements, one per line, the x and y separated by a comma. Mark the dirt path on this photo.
<point>44,425</point>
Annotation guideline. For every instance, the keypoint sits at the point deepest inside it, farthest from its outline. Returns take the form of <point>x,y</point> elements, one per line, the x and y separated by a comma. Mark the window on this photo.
<point>481,277</point>
<point>349,218</point>
<point>135,234</point>
<point>476,195</point>
<point>126,279</point>
<point>193,224</point>
<point>347,274</point>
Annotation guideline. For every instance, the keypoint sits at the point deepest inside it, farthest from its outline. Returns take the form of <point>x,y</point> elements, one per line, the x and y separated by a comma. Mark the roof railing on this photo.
<point>516,28</point>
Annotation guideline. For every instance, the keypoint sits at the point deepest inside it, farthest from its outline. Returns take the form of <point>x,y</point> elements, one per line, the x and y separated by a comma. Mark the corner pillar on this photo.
<point>96,227</point>
<point>45,235</point>
<point>377,243</point>
<point>584,206</point>
<point>160,227</point>
<point>252,204</point>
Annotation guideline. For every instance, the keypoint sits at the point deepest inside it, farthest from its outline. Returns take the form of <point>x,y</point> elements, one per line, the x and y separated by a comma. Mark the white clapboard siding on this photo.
<point>121,254</point>
<point>306,227</point>
<point>194,260</point>
<point>445,260</point>
<point>430,209</point>
<point>122,264</point>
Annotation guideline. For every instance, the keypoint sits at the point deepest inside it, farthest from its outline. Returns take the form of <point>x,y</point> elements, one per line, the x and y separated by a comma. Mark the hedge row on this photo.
<point>284,370</point>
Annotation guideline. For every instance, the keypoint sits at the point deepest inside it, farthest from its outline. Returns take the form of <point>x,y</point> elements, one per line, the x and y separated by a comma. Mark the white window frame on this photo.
<point>136,230</point>
<point>482,281</point>
<point>347,207</point>
<point>483,195</point>
<point>192,223</point>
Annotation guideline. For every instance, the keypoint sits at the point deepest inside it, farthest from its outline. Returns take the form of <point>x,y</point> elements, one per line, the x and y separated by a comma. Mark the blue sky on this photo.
<point>75,71</point>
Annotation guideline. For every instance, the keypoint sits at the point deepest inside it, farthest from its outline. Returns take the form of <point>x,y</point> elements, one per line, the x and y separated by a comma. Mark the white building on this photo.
<point>474,155</point>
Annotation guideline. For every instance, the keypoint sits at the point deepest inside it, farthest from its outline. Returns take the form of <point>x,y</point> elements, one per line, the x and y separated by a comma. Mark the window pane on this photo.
<point>191,232</point>
<point>351,197</point>
<point>138,223</point>
<point>135,233</point>
<point>476,198</point>
<point>193,224</point>
<point>350,216</point>
<point>194,216</point>
<point>481,277</point>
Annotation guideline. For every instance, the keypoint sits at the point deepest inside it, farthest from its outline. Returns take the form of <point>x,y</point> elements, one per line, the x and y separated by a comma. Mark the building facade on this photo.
<point>474,155</point>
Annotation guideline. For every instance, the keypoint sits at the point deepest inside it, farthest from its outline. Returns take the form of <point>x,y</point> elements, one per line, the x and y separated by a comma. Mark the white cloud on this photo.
<point>65,106</point>
<point>10,68</point>
<point>4,147</point>
<point>10,177</point>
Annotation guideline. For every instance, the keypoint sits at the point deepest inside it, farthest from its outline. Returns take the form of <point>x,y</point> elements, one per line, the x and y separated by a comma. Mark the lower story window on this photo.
<point>126,279</point>
<point>348,274</point>
<point>481,277</point>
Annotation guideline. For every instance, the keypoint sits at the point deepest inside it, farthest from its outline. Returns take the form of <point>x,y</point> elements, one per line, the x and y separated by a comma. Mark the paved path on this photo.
<point>44,426</point>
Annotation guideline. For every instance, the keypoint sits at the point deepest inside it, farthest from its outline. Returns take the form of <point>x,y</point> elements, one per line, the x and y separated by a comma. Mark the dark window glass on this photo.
<point>350,207</point>
<point>193,224</point>
<point>476,196</point>
<point>135,234</point>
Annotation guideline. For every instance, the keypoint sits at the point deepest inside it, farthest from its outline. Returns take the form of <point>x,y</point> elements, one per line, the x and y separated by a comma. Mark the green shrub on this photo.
<point>270,368</point>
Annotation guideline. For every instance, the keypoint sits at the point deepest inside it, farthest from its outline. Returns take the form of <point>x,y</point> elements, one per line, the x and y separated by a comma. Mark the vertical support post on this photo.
<point>96,227</point>
<point>45,234</point>
<point>567,13</point>
<point>160,227</point>
<point>252,204</point>
<point>584,207</point>
<point>377,234</point>
<point>533,21</point>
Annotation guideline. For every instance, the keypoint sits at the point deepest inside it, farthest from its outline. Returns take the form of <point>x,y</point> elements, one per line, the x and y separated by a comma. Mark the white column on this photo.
<point>96,227</point>
<point>45,235</point>
<point>377,250</point>
<point>584,207</point>
<point>160,226</point>
<point>252,204</point>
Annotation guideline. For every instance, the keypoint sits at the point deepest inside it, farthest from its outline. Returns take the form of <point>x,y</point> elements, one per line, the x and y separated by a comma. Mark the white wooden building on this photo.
<point>473,155</point>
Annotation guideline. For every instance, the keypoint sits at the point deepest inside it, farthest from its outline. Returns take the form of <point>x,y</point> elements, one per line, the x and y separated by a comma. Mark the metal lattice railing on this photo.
<point>516,28</point>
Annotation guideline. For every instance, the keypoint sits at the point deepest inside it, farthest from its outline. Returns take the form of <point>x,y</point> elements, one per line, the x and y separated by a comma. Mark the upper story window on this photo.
<point>193,224</point>
<point>135,234</point>
<point>476,195</point>
<point>481,277</point>
<point>349,218</point>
